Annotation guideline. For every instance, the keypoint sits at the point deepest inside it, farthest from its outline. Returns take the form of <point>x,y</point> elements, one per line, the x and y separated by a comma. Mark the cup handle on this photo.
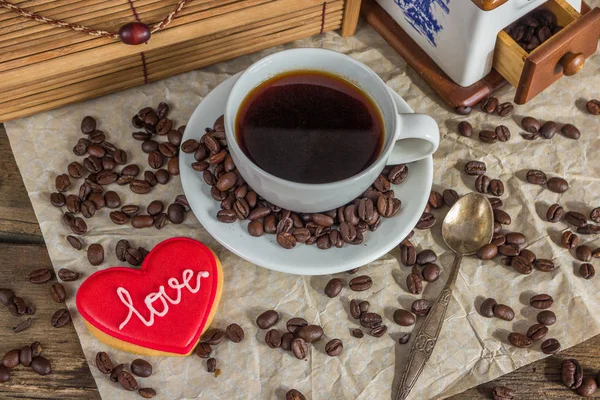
<point>417,137</point>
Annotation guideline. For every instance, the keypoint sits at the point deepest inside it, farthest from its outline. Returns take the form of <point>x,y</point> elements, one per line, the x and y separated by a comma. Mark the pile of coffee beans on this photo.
<point>533,29</point>
<point>117,374</point>
<point>483,184</point>
<point>500,133</point>
<point>213,337</point>
<point>547,130</point>
<point>490,308</point>
<point>27,356</point>
<point>126,252</point>
<point>328,229</point>
<point>298,338</point>
<point>16,306</point>
<point>57,291</point>
<point>593,106</point>
<point>573,378</point>
<point>555,184</point>
<point>556,213</point>
<point>98,170</point>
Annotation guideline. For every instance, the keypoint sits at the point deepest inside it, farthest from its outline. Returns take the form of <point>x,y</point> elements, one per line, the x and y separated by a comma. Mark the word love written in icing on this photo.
<point>161,296</point>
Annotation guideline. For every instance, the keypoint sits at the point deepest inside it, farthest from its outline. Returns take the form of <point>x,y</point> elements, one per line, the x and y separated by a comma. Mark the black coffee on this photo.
<point>310,127</point>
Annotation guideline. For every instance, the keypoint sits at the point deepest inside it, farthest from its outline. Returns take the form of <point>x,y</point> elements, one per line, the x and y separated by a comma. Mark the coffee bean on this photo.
<point>544,265</point>
<point>130,210</point>
<point>502,133</point>
<point>149,146</point>
<point>176,213</point>
<point>431,272</point>
<point>496,187</point>
<point>570,131</point>
<point>41,365</point>
<point>88,125</point>
<point>414,283</point>
<point>62,183</point>
<point>156,159</point>
<point>141,368</point>
<point>58,292</point>
<point>589,229</point>
<point>104,363</point>
<point>408,256</point>
<point>228,216</point>
<point>25,355</point>
<point>558,185</point>
<point>334,347</point>
<point>550,346</point>
<point>537,332</point>
<point>118,217</point>
<point>403,317</point>
<point>203,350</point>
<point>36,349</point>
<point>450,197</point>
<point>487,308</point>
<point>355,310</point>
<point>549,129</point>
<point>88,209</point>
<point>522,265</point>
<point>211,365</point>
<point>426,221</point>
<point>505,109</point>
<point>420,307</point>
<point>142,221</point>
<point>571,374</point>
<point>503,393</point>
<point>93,164</point>
<point>436,200</point>
<point>299,348</point>
<point>286,341</point>
<point>487,252</point>
<point>294,394</point>
<point>139,186</point>
<point>465,129</point>
<point>575,218</point>
<point>488,136</point>
<point>398,174</point>
<point>213,337</point>
<point>426,257</point>
<point>587,271</point>
<point>361,283</point>
<point>536,177</point>
<point>286,240</point>
<point>596,253</point>
<point>267,319</point>
<point>504,312</point>
<point>127,381</point>
<point>73,203</point>
<point>489,105</point>
<point>463,110</point>
<point>593,106</point>
<point>546,318</point>
<point>310,333</point>
<point>66,275</point>
<point>11,359</point>
<point>57,199</point>
<point>495,202</point>
<point>357,333</point>
<point>190,146</point>
<point>81,147</point>
<point>530,136</point>
<point>583,253</point>
<point>555,213</point>
<point>235,333</point>
<point>595,215</point>
<point>333,287</point>
<point>482,184</point>
<point>370,320</point>
<point>378,331</point>
<point>588,387</point>
<point>60,318</point>
<point>147,393</point>
<point>17,306</point>
<point>22,326</point>
<point>541,301</point>
<point>530,124</point>
<point>6,296</point>
<point>502,217</point>
<point>518,340</point>
<point>96,151</point>
<point>75,169</point>
<point>41,275</point>
<point>95,254</point>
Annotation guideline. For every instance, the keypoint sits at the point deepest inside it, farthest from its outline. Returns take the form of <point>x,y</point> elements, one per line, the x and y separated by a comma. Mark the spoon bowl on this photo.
<point>469,224</point>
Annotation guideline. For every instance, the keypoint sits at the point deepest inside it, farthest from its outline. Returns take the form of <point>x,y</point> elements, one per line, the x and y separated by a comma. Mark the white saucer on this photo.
<point>303,259</point>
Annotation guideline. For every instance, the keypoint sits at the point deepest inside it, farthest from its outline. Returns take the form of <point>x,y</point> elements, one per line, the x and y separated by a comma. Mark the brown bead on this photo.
<point>134,33</point>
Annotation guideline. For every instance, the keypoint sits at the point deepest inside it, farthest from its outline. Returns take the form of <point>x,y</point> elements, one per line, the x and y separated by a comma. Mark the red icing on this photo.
<point>179,329</point>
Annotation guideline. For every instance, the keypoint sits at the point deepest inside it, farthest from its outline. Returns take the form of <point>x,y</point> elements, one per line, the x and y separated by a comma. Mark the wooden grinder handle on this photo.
<point>572,63</point>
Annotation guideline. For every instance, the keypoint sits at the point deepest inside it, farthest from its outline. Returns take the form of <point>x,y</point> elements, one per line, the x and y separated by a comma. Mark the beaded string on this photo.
<point>87,30</point>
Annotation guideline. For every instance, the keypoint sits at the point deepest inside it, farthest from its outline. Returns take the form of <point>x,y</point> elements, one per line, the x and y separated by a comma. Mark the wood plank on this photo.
<point>509,58</point>
<point>17,219</point>
<point>70,377</point>
<point>350,17</point>
<point>541,380</point>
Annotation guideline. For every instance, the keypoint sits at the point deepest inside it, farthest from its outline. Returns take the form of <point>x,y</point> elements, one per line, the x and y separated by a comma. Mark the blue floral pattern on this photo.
<point>420,15</point>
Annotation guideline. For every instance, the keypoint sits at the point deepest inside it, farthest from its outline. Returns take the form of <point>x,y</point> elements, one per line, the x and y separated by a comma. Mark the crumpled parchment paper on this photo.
<point>471,350</point>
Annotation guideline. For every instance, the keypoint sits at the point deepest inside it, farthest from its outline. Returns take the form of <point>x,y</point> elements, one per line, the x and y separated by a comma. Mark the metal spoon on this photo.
<point>468,226</point>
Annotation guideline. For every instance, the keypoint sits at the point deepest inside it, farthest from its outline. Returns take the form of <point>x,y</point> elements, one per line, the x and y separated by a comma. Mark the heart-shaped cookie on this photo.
<point>160,309</point>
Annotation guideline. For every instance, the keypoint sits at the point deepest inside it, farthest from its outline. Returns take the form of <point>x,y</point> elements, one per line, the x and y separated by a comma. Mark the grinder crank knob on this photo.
<point>572,63</point>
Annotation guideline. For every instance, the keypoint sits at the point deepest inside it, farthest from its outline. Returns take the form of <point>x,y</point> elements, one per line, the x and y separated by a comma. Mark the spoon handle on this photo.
<point>429,332</point>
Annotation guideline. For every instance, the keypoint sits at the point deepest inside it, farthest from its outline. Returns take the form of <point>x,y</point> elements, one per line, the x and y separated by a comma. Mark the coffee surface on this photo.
<point>310,127</point>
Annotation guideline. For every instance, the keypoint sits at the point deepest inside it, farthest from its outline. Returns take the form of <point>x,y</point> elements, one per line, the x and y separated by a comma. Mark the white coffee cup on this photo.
<point>407,137</point>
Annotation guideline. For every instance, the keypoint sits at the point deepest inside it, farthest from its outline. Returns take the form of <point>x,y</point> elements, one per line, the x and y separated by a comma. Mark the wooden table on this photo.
<point>22,249</point>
